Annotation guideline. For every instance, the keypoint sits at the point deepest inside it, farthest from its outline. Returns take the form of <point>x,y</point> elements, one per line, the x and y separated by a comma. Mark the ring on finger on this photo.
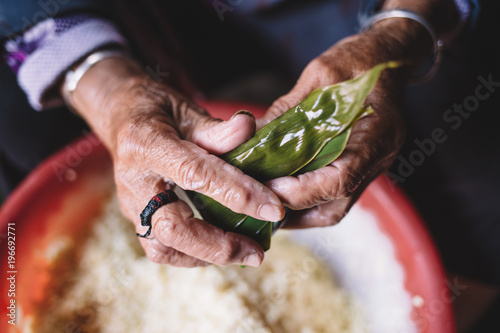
<point>161,199</point>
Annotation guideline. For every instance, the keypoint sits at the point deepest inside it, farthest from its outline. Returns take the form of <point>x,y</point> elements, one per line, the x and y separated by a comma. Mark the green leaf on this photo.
<point>224,218</point>
<point>291,141</point>
<point>305,138</point>
<point>333,149</point>
<point>329,153</point>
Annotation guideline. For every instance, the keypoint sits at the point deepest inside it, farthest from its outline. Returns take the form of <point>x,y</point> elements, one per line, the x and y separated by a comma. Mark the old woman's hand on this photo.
<point>322,197</point>
<point>159,139</point>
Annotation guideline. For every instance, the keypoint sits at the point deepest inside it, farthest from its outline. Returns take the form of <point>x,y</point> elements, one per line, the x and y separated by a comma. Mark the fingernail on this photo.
<point>246,112</point>
<point>253,259</point>
<point>270,212</point>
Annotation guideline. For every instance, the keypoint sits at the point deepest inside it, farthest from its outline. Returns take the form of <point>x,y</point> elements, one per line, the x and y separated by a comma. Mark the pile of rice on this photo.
<point>113,287</point>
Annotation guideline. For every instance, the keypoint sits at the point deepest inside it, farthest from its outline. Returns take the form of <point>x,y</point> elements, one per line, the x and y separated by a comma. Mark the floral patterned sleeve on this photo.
<point>42,54</point>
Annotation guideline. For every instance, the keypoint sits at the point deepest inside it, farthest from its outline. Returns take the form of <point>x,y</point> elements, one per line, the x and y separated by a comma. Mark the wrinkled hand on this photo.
<point>158,138</point>
<point>324,196</point>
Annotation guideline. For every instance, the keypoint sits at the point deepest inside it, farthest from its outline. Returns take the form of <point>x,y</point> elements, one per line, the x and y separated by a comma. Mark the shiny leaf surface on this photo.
<point>307,137</point>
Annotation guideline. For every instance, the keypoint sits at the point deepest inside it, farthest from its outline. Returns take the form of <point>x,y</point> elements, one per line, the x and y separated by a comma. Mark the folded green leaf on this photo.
<point>333,148</point>
<point>305,138</point>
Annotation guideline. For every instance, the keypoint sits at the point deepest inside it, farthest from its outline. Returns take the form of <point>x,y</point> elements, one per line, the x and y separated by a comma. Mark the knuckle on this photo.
<point>303,194</point>
<point>328,71</point>
<point>155,255</point>
<point>321,66</point>
<point>228,251</point>
<point>167,230</point>
<point>324,187</point>
<point>238,196</point>
<point>328,188</point>
<point>142,135</point>
<point>348,181</point>
<point>279,106</point>
<point>194,175</point>
<point>199,173</point>
<point>351,184</point>
<point>343,189</point>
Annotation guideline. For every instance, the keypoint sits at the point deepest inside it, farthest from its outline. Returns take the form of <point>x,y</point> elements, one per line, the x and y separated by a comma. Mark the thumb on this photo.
<point>219,137</point>
<point>283,104</point>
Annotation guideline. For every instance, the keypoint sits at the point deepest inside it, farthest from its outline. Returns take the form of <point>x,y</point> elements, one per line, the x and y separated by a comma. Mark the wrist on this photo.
<point>395,39</point>
<point>402,39</point>
<point>442,15</point>
<point>104,95</point>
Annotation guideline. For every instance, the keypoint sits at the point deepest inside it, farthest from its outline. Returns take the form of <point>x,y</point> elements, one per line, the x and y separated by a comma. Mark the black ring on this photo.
<point>162,198</point>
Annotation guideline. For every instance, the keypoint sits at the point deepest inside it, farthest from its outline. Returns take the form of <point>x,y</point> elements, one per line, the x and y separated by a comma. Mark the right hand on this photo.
<point>159,139</point>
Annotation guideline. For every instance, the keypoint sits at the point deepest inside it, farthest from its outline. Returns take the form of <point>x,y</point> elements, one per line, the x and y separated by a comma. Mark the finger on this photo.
<point>222,137</point>
<point>283,104</point>
<point>153,144</point>
<point>154,249</point>
<point>161,254</point>
<point>364,157</point>
<point>214,135</point>
<point>175,227</point>
<point>323,215</point>
<point>309,189</point>
<point>317,74</point>
<point>177,235</point>
<point>193,168</point>
<point>327,214</point>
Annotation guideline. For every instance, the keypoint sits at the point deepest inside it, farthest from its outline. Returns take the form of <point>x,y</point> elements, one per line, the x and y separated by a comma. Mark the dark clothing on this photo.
<point>27,137</point>
<point>457,187</point>
<point>18,15</point>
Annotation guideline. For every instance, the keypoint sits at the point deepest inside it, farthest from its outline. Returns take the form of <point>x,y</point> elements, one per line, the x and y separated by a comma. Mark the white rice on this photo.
<point>115,288</point>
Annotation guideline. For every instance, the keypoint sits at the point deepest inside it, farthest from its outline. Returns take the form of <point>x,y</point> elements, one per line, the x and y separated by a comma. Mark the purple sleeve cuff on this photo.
<point>48,62</point>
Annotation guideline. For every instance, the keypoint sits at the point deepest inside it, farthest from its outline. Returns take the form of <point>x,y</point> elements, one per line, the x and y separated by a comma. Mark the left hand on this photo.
<point>323,197</point>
